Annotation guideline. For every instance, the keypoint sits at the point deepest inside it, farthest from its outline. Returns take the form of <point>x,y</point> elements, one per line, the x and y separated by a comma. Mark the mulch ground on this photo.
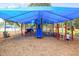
<point>30,46</point>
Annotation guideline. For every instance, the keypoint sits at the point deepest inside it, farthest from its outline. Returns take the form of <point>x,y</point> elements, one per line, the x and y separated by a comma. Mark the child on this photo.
<point>6,34</point>
<point>68,37</point>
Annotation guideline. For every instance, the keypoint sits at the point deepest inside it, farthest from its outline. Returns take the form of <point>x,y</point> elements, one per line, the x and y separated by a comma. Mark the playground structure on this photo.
<point>38,32</point>
<point>40,16</point>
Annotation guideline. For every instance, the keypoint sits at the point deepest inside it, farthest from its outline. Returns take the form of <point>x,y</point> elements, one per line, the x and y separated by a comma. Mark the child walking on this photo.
<point>68,37</point>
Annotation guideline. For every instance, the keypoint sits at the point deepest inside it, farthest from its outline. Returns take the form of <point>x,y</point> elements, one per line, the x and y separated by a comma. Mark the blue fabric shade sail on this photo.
<point>49,15</point>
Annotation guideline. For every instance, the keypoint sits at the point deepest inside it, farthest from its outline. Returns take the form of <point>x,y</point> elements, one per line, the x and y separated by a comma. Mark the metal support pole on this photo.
<point>62,30</point>
<point>25,26</point>
<point>21,29</point>
<point>72,29</point>
<point>65,34</point>
<point>72,33</point>
<point>46,28</point>
<point>53,28</point>
<point>25,29</point>
<point>5,26</point>
<point>58,36</point>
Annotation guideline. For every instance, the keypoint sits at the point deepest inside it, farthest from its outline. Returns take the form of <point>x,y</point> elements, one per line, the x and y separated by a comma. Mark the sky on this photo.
<point>39,1</point>
<point>1,20</point>
<point>76,5</point>
<point>15,5</point>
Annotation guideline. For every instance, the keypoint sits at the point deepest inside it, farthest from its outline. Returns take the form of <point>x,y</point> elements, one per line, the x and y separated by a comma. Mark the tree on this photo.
<point>40,4</point>
<point>12,23</point>
<point>76,23</point>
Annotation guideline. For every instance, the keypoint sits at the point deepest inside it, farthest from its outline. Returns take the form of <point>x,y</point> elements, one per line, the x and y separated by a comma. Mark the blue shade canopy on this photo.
<point>49,15</point>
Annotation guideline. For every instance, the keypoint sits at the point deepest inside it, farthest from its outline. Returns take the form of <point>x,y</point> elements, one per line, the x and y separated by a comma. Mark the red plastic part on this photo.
<point>72,33</point>
<point>65,34</point>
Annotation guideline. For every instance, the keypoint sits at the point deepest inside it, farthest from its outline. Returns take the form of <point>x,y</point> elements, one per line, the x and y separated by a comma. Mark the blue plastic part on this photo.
<point>39,33</point>
<point>50,15</point>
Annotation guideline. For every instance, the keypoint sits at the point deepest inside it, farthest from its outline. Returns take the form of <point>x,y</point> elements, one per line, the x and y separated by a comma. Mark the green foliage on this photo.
<point>76,23</point>
<point>40,4</point>
<point>12,23</point>
<point>9,22</point>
